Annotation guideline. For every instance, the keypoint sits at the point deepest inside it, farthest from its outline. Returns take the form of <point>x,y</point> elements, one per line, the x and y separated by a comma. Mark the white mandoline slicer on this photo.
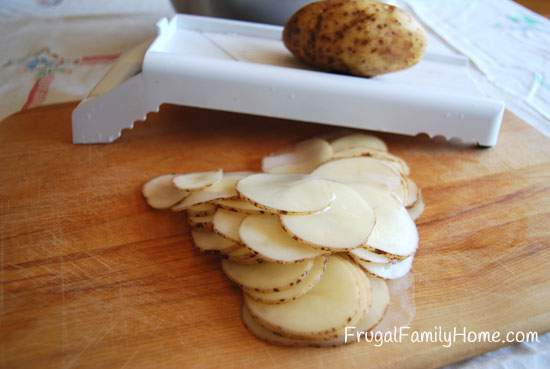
<point>244,67</point>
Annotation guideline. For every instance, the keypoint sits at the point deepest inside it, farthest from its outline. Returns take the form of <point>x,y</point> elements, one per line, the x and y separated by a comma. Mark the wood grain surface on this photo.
<point>540,6</point>
<point>93,278</point>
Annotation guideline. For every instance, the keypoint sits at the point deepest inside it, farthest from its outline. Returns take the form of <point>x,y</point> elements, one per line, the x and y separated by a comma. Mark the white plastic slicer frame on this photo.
<point>244,67</point>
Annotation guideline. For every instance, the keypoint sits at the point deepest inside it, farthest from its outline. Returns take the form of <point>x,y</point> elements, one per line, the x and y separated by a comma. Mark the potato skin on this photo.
<point>359,37</point>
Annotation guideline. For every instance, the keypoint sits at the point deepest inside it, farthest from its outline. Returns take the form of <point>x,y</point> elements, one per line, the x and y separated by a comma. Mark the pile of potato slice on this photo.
<point>311,239</point>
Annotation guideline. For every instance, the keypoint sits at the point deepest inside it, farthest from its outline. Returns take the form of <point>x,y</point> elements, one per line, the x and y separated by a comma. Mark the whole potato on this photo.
<point>360,37</point>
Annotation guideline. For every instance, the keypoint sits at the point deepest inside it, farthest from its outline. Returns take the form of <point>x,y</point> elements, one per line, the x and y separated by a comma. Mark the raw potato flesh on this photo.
<point>242,255</point>
<point>302,158</point>
<point>412,193</point>
<point>380,302</point>
<point>240,206</point>
<point>160,193</point>
<point>364,170</point>
<point>394,161</point>
<point>368,255</point>
<point>226,224</point>
<point>365,292</point>
<point>224,189</point>
<point>347,224</point>
<point>417,209</point>
<point>286,193</point>
<point>394,232</point>
<point>264,235</point>
<point>209,241</point>
<point>267,276</point>
<point>201,210</point>
<point>292,293</point>
<point>202,226</point>
<point>276,233</point>
<point>204,221</point>
<point>387,271</point>
<point>323,311</point>
<point>358,140</point>
<point>268,336</point>
<point>197,181</point>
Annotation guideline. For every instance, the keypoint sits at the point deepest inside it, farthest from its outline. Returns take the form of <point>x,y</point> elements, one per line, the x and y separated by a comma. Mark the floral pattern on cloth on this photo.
<point>44,65</point>
<point>50,60</point>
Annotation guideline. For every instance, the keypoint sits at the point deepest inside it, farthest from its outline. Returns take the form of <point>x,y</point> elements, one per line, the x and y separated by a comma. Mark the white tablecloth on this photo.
<point>508,45</point>
<point>56,51</point>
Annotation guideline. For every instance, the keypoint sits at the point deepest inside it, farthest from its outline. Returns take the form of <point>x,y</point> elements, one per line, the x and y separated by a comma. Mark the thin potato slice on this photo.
<point>394,232</point>
<point>358,140</point>
<point>264,235</point>
<point>387,271</point>
<point>365,291</point>
<point>268,336</point>
<point>364,170</point>
<point>201,210</point>
<point>202,207</point>
<point>226,224</point>
<point>240,206</point>
<point>417,209</point>
<point>210,242</point>
<point>347,224</point>
<point>390,159</point>
<point>333,303</point>
<point>160,193</point>
<point>302,158</point>
<point>286,193</point>
<point>204,221</point>
<point>202,227</point>
<point>392,257</point>
<point>242,255</point>
<point>412,193</point>
<point>197,181</point>
<point>223,189</point>
<point>292,293</point>
<point>380,303</point>
<point>368,255</point>
<point>267,276</point>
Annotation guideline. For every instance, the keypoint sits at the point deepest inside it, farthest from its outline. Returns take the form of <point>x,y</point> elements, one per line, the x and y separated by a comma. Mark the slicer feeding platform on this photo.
<point>244,67</point>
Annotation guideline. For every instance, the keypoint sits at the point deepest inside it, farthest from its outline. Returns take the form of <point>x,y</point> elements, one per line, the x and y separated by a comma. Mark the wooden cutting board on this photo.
<point>93,278</point>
